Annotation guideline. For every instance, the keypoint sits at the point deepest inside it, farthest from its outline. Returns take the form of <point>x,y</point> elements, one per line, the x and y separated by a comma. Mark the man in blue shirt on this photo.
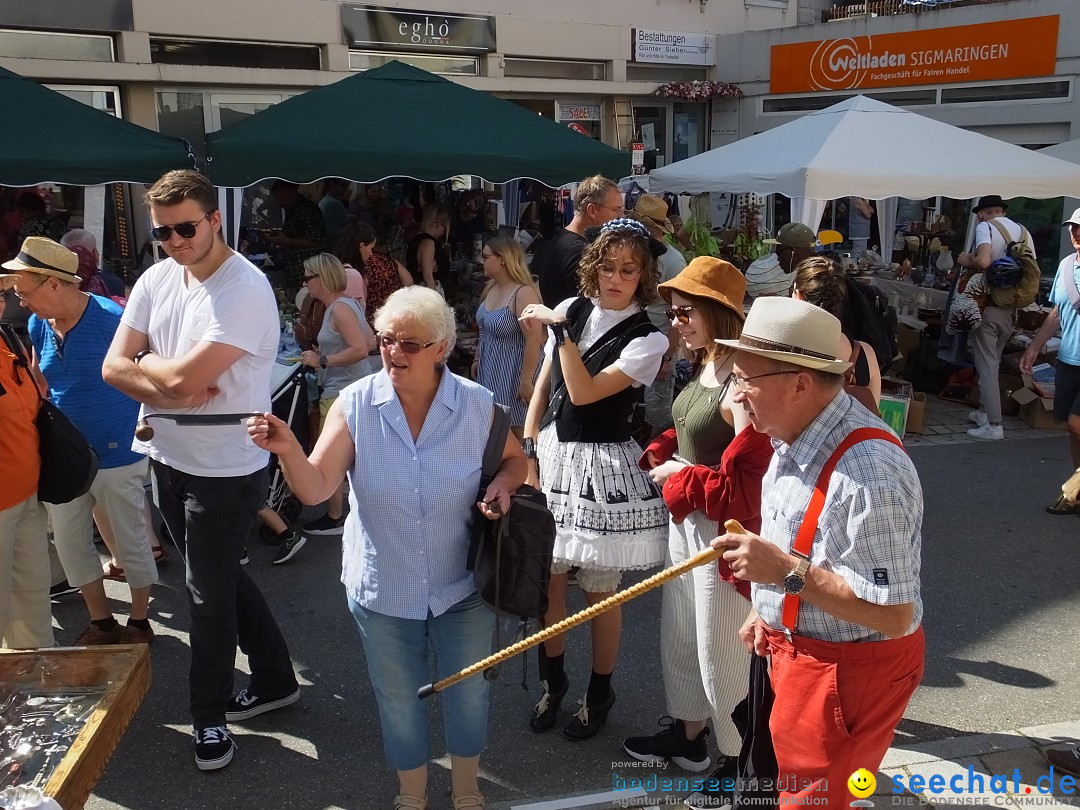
<point>71,331</point>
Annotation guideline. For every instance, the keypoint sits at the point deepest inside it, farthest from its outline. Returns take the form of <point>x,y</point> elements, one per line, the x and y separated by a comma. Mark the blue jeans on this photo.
<point>397,661</point>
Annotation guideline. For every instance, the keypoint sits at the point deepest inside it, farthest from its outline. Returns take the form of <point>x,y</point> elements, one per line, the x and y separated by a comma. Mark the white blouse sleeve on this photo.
<point>641,359</point>
<point>549,345</point>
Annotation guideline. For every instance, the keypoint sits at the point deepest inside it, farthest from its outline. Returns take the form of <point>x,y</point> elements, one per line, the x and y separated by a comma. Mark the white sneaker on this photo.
<point>979,418</point>
<point>987,433</point>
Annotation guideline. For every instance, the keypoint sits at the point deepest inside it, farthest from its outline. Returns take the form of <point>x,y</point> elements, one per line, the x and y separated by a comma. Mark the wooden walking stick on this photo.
<point>701,558</point>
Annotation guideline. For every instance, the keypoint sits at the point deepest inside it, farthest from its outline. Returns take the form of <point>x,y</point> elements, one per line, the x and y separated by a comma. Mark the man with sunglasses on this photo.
<point>199,337</point>
<point>596,200</point>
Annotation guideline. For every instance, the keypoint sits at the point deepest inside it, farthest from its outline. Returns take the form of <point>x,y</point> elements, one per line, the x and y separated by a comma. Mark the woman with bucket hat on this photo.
<point>710,467</point>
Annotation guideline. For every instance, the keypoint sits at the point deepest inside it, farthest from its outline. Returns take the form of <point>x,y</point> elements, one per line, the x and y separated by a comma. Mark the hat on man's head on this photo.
<point>1074,219</point>
<point>792,331</point>
<point>989,201</point>
<point>795,235</point>
<point>714,279</point>
<point>44,257</point>
<point>655,209</point>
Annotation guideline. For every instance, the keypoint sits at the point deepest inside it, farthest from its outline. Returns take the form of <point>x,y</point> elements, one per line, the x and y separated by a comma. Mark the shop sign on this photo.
<point>578,128</point>
<point>410,30</point>
<point>63,15</point>
<point>1011,49</point>
<point>579,112</point>
<point>637,158</point>
<point>673,47</point>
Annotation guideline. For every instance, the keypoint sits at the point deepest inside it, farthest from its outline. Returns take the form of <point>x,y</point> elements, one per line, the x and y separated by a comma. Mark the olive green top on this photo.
<point>702,431</point>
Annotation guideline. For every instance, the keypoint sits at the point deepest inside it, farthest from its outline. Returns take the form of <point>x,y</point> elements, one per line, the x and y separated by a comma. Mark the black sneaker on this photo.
<point>671,743</point>
<point>289,545</point>
<point>325,525</point>
<point>61,588</point>
<point>244,705</point>
<point>718,788</point>
<point>244,558</point>
<point>214,748</point>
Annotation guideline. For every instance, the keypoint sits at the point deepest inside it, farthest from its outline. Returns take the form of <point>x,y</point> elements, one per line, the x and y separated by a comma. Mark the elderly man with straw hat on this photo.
<point>835,569</point>
<point>652,212</point>
<point>71,332</point>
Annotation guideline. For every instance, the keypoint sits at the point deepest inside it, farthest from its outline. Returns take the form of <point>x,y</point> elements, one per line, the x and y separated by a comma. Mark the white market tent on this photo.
<point>866,148</point>
<point>1070,151</point>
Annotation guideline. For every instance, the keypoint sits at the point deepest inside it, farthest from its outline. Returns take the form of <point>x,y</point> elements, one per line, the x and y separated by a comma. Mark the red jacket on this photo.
<point>731,490</point>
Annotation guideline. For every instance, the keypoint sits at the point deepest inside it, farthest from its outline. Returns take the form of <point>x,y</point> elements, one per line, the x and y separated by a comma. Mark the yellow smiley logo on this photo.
<point>862,783</point>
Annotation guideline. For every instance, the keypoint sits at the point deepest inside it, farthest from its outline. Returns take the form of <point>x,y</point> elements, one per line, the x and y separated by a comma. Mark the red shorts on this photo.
<point>837,705</point>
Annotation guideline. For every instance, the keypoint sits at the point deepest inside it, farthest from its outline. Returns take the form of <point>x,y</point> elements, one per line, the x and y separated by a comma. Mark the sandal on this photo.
<point>159,553</point>
<point>114,572</point>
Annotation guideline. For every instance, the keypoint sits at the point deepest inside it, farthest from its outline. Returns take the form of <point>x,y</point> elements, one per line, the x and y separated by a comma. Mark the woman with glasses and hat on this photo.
<point>710,467</point>
<point>610,517</point>
<point>411,439</point>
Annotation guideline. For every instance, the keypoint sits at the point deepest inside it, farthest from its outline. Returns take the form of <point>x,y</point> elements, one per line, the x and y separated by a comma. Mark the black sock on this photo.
<point>554,673</point>
<point>285,535</point>
<point>599,688</point>
<point>104,625</point>
<point>142,624</point>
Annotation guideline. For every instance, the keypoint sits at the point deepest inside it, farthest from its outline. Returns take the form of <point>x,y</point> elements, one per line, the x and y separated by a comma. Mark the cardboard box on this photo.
<point>1038,413</point>
<point>1035,409</point>
<point>1031,319</point>
<point>916,412</point>
<point>1007,384</point>
<point>907,339</point>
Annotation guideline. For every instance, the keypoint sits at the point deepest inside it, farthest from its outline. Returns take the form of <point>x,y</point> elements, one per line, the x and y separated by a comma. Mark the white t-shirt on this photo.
<point>235,306</point>
<point>640,359</point>
<point>985,233</point>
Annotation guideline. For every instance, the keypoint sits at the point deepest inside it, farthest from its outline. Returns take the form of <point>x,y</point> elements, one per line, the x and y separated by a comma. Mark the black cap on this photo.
<point>989,201</point>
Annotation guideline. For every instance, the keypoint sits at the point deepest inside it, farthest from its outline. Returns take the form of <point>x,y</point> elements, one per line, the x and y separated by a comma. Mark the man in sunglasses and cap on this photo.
<point>836,599</point>
<point>199,337</point>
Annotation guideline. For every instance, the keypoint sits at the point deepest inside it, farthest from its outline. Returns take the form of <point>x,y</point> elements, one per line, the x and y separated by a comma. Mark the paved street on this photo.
<point>1002,610</point>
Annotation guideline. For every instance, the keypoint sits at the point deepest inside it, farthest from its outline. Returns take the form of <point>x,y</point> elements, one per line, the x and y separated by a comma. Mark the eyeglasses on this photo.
<point>185,230</point>
<point>607,271</point>
<point>22,295</point>
<point>306,279</point>
<point>680,313</point>
<point>407,346</point>
<point>617,211</point>
<point>740,382</point>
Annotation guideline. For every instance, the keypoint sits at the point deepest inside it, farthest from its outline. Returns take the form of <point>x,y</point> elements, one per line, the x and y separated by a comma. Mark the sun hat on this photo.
<point>44,257</point>
<point>714,279</point>
<point>791,331</point>
<point>1074,219</point>
<point>765,276</point>
<point>795,235</point>
<point>989,201</point>
<point>655,209</point>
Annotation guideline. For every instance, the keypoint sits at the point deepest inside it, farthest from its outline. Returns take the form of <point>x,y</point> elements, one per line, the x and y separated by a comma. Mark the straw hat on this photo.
<point>706,277</point>
<point>655,209</point>
<point>791,331</point>
<point>44,257</point>
<point>795,235</point>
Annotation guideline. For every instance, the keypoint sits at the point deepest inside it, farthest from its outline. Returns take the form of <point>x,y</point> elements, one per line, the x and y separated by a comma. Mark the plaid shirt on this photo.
<point>870,531</point>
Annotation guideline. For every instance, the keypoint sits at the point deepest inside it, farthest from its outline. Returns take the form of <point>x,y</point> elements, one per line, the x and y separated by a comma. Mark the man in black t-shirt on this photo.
<point>596,201</point>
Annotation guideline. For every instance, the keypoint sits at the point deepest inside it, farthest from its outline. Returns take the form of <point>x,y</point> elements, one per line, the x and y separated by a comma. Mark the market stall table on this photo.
<point>908,293</point>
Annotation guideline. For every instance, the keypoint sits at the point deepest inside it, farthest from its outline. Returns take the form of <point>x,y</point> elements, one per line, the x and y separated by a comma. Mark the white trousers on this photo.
<point>25,614</point>
<point>120,493</point>
<point>706,667</point>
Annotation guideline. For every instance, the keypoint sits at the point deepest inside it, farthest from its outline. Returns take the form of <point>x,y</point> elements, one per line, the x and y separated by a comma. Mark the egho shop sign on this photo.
<point>411,30</point>
<point>1011,49</point>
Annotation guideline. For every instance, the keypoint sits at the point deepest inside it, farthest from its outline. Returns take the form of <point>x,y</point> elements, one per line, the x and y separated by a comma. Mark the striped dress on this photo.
<point>502,351</point>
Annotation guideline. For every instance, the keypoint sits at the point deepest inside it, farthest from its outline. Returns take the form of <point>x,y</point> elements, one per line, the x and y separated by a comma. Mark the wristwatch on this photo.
<point>529,446</point>
<point>795,581</point>
<point>322,361</point>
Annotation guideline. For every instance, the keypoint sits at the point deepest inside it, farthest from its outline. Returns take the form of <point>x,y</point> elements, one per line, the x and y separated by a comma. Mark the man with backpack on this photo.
<point>996,237</point>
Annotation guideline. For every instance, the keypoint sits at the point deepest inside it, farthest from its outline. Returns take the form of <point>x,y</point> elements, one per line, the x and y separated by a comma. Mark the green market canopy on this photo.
<point>50,138</point>
<point>400,121</point>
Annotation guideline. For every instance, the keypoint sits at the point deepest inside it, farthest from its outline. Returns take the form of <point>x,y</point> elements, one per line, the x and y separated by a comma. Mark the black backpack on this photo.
<point>511,557</point>
<point>868,317</point>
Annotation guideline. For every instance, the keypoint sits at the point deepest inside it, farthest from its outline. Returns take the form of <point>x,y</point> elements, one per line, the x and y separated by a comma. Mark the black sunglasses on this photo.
<point>306,279</point>
<point>185,230</point>
<point>682,313</point>
<point>407,346</point>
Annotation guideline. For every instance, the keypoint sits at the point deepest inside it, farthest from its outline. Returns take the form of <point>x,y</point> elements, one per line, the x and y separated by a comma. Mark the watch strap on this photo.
<point>804,540</point>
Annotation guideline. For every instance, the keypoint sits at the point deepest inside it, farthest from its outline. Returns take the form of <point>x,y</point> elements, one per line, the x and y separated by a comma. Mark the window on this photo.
<point>1006,92</point>
<point>552,69</point>
<point>446,65</point>
<point>105,98</point>
<point>662,73</point>
<point>53,45</point>
<point>900,98</point>
<point>226,53</point>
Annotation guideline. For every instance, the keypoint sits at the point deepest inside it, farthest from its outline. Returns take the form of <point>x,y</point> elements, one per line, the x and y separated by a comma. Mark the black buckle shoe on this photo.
<point>589,719</point>
<point>1063,506</point>
<point>546,712</point>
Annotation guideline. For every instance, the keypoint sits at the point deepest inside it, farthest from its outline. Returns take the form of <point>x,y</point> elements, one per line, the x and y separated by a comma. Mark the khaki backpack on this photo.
<point>1027,287</point>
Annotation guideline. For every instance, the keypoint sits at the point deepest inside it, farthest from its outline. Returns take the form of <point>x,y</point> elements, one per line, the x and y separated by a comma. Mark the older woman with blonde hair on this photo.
<point>343,345</point>
<point>508,354</point>
<point>411,440</point>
